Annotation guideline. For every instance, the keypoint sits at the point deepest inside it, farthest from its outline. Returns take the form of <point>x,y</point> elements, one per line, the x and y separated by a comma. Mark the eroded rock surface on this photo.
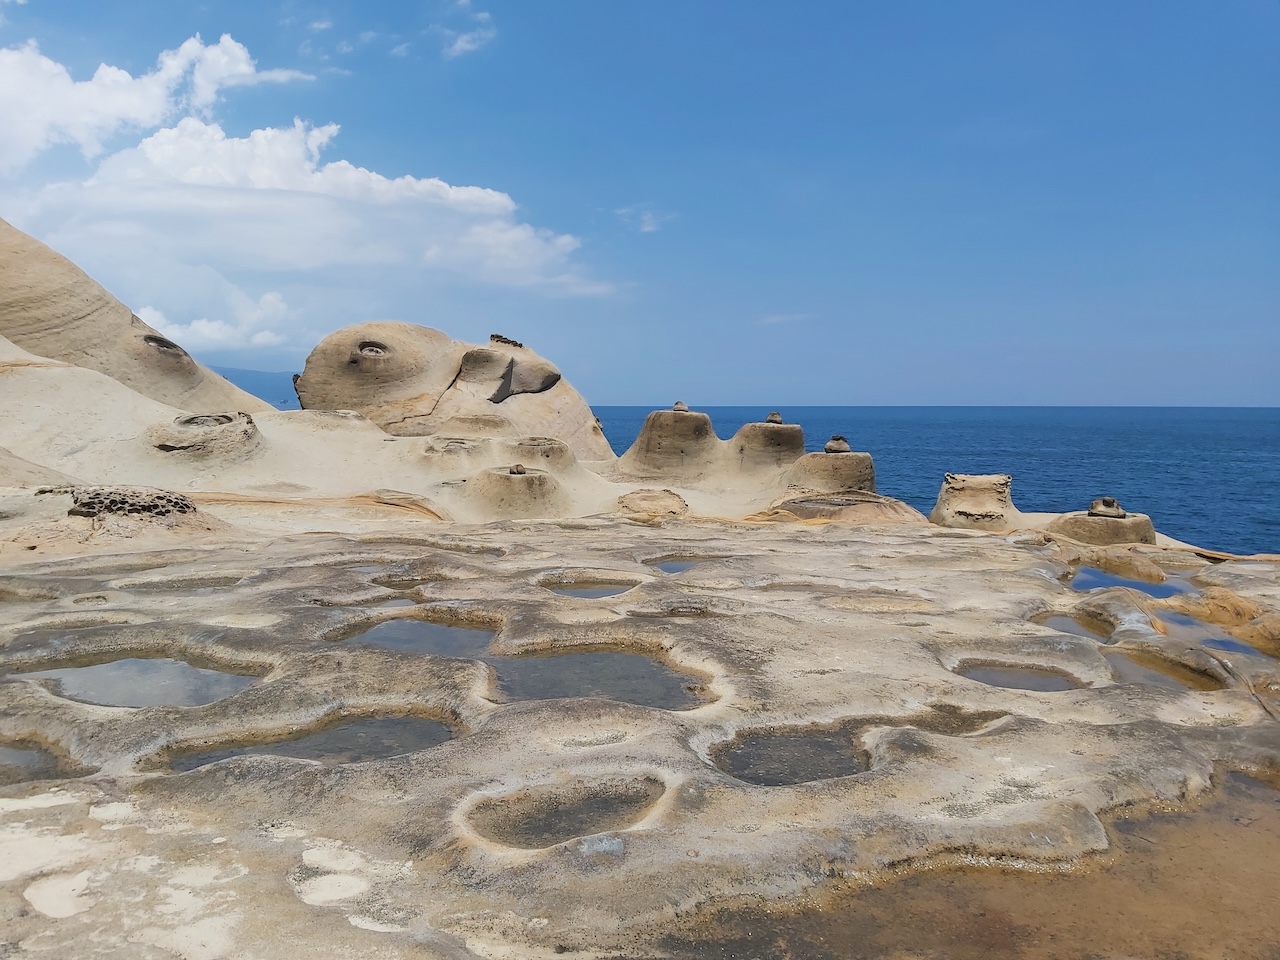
<point>51,308</point>
<point>414,381</point>
<point>586,822</point>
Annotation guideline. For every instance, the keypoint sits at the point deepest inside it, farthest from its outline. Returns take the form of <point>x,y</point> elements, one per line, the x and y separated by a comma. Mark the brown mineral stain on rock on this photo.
<point>1196,883</point>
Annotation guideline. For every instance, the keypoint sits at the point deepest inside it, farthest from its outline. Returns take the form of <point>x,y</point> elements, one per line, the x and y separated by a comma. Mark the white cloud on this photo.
<point>246,324</point>
<point>319,25</point>
<point>41,105</point>
<point>462,41</point>
<point>400,50</point>
<point>254,245</point>
<point>644,218</point>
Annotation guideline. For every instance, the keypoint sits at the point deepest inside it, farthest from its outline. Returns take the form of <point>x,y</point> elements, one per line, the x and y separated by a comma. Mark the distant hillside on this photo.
<point>275,388</point>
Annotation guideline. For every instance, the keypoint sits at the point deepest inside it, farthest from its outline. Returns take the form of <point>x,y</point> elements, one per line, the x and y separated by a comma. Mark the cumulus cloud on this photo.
<point>478,32</point>
<point>42,105</point>
<point>246,323</point>
<point>244,245</point>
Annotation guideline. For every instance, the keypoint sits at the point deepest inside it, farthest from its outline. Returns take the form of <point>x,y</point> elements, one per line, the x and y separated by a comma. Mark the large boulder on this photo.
<point>415,381</point>
<point>52,308</point>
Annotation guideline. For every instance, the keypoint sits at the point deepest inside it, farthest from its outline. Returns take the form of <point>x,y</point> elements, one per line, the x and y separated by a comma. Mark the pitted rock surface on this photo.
<point>579,824</point>
<point>129,501</point>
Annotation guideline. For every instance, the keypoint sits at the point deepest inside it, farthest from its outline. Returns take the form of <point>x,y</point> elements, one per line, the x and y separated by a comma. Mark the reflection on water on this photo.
<point>22,762</point>
<point>1020,678</point>
<point>1066,624</point>
<point>1131,667</point>
<point>1091,578</point>
<point>1184,627</point>
<point>676,564</point>
<point>151,682</point>
<point>539,818</point>
<point>593,592</point>
<point>423,636</point>
<point>353,741</point>
<point>629,677</point>
<point>777,758</point>
<point>1184,885</point>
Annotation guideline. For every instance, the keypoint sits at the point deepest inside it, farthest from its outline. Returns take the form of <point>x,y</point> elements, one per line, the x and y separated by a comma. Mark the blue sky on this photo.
<point>825,203</point>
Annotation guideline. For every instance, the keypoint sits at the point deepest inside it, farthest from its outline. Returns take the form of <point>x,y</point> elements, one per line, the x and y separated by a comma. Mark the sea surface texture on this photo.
<point>1206,475</point>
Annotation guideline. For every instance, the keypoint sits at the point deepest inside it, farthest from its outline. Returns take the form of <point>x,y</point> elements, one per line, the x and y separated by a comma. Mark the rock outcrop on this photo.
<point>976,502</point>
<point>414,381</point>
<point>52,308</point>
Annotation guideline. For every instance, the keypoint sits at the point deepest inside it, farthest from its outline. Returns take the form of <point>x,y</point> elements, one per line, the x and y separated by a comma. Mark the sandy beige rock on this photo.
<point>853,506</point>
<point>51,308</point>
<point>1088,527</point>
<point>976,502</point>
<point>415,381</point>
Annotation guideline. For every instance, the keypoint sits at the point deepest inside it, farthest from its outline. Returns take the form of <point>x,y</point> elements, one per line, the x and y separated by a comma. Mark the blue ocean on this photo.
<point>1206,475</point>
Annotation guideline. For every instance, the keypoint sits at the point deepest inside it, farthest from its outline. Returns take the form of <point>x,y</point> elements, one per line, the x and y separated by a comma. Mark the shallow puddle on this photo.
<point>1020,678</point>
<point>677,564</point>
<point>406,635</point>
<point>538,818</point>
<point>1128,667</point>
<point>1197,884</point>
<point>778,758</point>
<point>1184,627</point>
<point>784,756</point>
<point>351,741</point>
<point>139,682</point>
<point>1091,578</point>
<point>593,591</point>
<point>21,762</point>
<point>628,677</point>
<point>1076,628</point>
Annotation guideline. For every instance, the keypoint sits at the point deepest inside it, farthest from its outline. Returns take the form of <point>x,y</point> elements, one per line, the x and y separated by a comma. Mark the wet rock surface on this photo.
<point>582,821</point>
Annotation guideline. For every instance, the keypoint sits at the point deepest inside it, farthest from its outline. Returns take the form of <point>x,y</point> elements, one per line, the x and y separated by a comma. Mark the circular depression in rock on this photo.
<point>589,590</point>
<point>1091,578</point>
<point>677,564</point>
<point>1181,626</point>
<point>143,682</point>
<point>610,674</point>
<point>1077,626</point>
<point>775,758</point>
<point>407,635</point>
<point>1131,667</point>
<point>22,761</point>
<point>346,741</point>
<point>540,817</point>
<point>1040,679</point>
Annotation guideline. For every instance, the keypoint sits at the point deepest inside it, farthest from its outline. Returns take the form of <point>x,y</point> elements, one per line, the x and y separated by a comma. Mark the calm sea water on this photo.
<point>1207,475</point>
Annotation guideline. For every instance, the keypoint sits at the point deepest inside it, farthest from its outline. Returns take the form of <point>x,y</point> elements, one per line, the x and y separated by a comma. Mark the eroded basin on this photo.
<point>348,741</point>
<point>611,674</point>
<point>1019,677</point>
<point>541,817</point>
<point>144,682</point>
<point>1091,578</point>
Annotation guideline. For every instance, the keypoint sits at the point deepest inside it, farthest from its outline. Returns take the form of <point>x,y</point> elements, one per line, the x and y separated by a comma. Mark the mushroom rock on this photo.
<point>976,502</point>
<point>516,492</point>
<point>833,472</point>
<point>675,442</point>
<point>768,444</point>
<point>1104,524</point>
<point>52,308</point>
<point>415,381</point>
<point>206,436</point>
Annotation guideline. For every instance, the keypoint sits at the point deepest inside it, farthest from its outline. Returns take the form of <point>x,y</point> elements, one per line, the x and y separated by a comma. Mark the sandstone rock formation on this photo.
<point>51,308</point>
<point>1090,527</point>
<point>415,381</point>
<point>976,502</point>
